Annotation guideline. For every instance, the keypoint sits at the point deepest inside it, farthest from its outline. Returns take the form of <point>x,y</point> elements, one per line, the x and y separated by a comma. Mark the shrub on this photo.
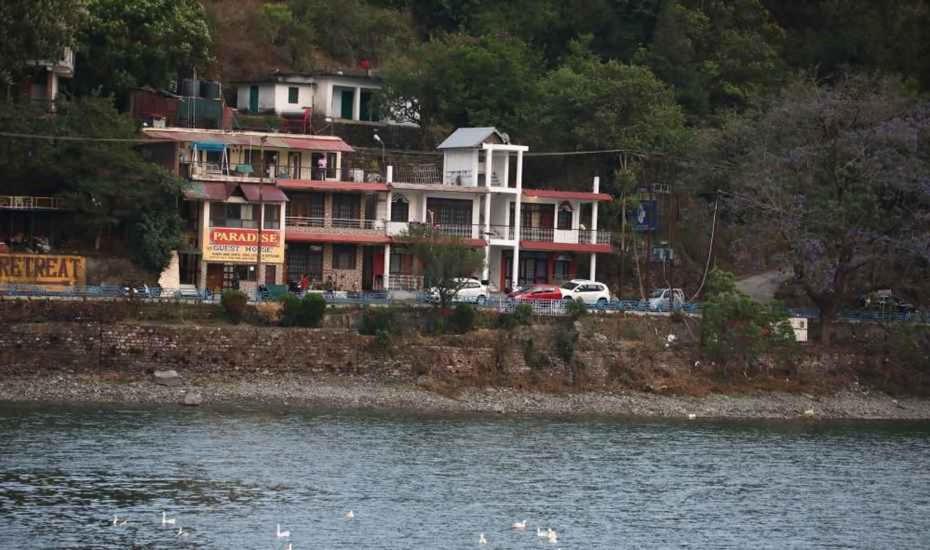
<point>522,316</point>
<point>234,303</point>
<point>565,340</point>
<point>377,320</point>
<point>306,312</point>
<point>575,309</point>
<point>462,319</point>
<point>534,358</point>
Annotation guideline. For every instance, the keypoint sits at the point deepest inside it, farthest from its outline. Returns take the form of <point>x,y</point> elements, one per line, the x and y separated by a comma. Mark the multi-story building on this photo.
<point>342,225</point>
<point>43,82</point>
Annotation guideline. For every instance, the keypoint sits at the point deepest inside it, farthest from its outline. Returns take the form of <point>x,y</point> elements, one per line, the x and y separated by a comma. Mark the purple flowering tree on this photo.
<point>839,178</point>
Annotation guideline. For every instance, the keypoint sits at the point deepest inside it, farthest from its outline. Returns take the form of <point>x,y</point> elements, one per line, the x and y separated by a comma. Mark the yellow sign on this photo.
<point>234,244</point>
<point>42,269</point>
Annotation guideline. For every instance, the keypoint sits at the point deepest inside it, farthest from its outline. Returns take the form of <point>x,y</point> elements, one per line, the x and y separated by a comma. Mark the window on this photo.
<point>272,216</point>
<point>400,209</point>
<point>232,215</point>
<point>401,263</point>
<point>343,257</point>
<point>346,207</point>
<point>565,216</point>
<point>293,94</point>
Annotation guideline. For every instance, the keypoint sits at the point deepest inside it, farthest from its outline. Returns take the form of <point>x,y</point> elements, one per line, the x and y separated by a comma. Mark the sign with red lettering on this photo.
<point>235,244</point>
<point>42,269</point>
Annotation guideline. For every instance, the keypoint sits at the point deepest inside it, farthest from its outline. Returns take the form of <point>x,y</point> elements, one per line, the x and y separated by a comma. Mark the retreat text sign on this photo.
<point>234,244</point>
<point>42,269</point>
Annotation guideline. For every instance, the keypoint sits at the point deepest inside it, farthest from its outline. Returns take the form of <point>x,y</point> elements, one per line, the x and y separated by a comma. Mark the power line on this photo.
<point>79,138</point>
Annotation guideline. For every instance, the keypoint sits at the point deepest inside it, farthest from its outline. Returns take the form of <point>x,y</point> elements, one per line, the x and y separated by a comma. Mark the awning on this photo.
<point>565,195</point>
<point>307,185</point>
<point>269,193</point>
<point>202,191</point>
<point>209,146</point>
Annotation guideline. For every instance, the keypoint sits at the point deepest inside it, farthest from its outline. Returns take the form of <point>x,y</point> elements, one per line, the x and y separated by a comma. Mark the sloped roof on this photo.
<point>253,139</point>
<point>467,138</point>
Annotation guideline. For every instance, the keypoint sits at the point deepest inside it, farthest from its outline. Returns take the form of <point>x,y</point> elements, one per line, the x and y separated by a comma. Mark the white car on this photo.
<point>471,291</point>
<point>665,299</point>
<point>582,290</point>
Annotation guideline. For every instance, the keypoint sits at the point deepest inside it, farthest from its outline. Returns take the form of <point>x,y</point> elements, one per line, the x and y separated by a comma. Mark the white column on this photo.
<point>506,180</point>
<point>488,166</point>
<point>597,187</point>
<point>390,174</point>
<point>593,273</point>
<point>387,208</point>
<point>357,104</point>
<point>328,109</point>
<point>387,266</point>
<point>204,239</point>
<point>474,168</point>
<point>338,166</point>
<point>516,221</point>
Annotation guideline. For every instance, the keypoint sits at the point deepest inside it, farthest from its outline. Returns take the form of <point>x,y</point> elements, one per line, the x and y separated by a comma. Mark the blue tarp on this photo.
<point>209,146</point>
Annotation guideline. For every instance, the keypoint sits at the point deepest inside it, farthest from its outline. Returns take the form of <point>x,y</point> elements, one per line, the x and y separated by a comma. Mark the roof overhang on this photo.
<point>313,185</point>
<point>302,236</point>
<point>565,195</point>
<point>543,246</point>
<point>218,138</point>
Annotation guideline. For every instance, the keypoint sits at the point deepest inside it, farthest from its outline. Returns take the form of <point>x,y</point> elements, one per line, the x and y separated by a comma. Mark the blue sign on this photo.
<point>643,216</point>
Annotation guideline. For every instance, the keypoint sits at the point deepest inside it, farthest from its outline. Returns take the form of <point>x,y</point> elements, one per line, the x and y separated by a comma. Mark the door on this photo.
<point>253,99</point>
<point>214,276</point>
<point>293,165</point>
<point>348,101</point>
<point>367,268</point>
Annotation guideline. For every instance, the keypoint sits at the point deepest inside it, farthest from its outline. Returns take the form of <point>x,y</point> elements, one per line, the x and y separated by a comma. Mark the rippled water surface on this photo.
<point>229,476</point>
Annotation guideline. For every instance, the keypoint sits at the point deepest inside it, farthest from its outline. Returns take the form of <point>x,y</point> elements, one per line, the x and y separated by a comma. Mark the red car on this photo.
<point>536,293</point>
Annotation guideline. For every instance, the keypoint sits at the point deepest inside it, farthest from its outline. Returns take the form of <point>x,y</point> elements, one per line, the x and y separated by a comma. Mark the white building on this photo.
<point>43,85</point>
<point>341,95</point>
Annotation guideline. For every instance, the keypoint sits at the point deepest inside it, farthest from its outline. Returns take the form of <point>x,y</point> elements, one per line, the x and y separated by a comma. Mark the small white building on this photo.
<point>43,84</point>
<point>341,95</point>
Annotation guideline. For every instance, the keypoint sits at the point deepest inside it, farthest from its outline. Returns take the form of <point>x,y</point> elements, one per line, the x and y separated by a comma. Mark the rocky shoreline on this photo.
<point>348,392</point>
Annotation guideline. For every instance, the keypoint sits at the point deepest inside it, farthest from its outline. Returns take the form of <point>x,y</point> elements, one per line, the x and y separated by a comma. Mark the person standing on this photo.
<point>321,167</point>
<point>304,283</point>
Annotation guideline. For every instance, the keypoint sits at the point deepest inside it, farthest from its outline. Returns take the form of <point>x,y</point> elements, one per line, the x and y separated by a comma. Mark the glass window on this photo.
<point>344,257</point>
<point>346,207</point>
<point>400,209</point>
<point>401,263</point>
<point>272,216</point>
<point>565,216</point>
<point>247,215</point>
<point>569,286</point>
<point>293,94</point>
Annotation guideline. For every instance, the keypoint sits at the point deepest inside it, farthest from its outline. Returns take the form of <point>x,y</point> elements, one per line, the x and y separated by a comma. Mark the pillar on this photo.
<point>593,273</point>
<point>387,266</point>
<point>357,104</point>
<point>597,187</point>
<point>514,273</point>
<point>387,208</point>
<point>329,102</point>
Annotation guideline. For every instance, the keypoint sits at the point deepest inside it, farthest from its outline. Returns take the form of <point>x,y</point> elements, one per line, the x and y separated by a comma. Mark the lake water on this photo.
<point>229,476</point>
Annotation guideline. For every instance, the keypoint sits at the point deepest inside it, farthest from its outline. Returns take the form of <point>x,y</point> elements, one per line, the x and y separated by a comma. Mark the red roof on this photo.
<point>206,191</point>
<point>269,193</point>
<point>544,246</point>
<point>313,185</point>
<point>280,141</point>
<point>352,238</point>
<point>566,195</point>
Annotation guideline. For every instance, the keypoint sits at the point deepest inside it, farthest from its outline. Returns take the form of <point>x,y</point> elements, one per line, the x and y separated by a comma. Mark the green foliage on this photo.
<point>566,337</point>
<point>575,309</point>
<point>110,186</point>
<point>377,319</point>
<point>737,331</point>
<point>36,30</point>
<point>128,43</point>
<point>522,315</point>
<point>303,312</point>
<point>534,358</point>
<point>445,260</point>
<point>462,319</point>
<point>234,304</point>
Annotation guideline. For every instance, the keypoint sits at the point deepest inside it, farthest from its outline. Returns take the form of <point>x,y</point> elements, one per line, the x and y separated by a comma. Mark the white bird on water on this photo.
<point>182,532</point>
<point>482,540</point>
<point>118,523</point>
<point>282,534</point>
<point>165,520</point>
<point>540,533</point>
<point>552,536</point>
<point>350,514</point>
<point>519,525</point>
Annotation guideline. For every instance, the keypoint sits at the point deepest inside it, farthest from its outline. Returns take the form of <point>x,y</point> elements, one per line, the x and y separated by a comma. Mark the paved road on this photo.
<point>762,287</point>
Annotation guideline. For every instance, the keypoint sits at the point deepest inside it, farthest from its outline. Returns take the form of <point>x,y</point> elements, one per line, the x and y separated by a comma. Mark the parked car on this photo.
<point>885,301</point>
<point>536,293</point>
<point>664,299</point>
<point>471,291</point>
<point>583,290</point>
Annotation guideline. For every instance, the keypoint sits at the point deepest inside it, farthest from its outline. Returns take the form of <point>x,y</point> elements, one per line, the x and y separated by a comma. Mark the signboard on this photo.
<point>238,245</point>
<point>42,269</point>
<point>643,216</point>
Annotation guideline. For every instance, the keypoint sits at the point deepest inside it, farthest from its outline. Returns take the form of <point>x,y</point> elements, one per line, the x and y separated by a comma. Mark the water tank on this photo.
<point>210,89</point>
<point>190,87</point>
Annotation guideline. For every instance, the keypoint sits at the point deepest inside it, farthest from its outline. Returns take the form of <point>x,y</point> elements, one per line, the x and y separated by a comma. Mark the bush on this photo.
<point>375,321</point>
<point>533,358</point>
<point>234,303</point>
<point>565,340</point>
<point>306,312</point>
<point>575,309</point>
<point>462,319</point>
<point>522,316</point>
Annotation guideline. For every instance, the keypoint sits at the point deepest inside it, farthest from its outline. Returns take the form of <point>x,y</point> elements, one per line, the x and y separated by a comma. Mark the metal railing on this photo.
<point>402,281</point>
<point>425,174</point>
<point>303,223</point>
<point>17,202</point>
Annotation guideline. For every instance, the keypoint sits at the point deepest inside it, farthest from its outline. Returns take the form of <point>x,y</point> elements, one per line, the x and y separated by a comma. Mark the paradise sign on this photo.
<point>234,244</point>
<point>42,269</point>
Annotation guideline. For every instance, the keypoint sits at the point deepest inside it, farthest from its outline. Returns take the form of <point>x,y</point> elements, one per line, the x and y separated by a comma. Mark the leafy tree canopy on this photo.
<point>36,30</point>
<point>444,260</point>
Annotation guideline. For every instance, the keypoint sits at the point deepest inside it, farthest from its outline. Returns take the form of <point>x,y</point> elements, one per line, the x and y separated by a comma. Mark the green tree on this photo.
<point>36,30</point>
<point>456,80</point>
<point>445,260</point>
<point>717,54</point>
<point>836,177</point>
<point>128,43</point>
<point>113,191</point>
<point>588,103</point>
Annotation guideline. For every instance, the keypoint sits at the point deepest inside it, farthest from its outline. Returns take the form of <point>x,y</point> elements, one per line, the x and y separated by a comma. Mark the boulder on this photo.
<point>167,377</point>
<point>193,398</point>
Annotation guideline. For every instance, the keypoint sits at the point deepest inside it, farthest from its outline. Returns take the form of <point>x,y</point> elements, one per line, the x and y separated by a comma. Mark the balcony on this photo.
<point>338,225</point>
<point>551,235</point>
<point>464,231</point>
<point>252,171</point>
<point>15,202</point>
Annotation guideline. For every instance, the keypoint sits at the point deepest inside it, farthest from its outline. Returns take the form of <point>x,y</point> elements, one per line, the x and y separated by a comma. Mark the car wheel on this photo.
<point>602,303</point>
<point>481,300</point>
<point>567,300</point>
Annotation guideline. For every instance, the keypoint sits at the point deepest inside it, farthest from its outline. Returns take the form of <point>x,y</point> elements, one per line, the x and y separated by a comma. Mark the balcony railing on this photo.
<point>549,234</point>
<point>424,174</point>
<point>313,224</point>
<point>16,202</point>
<point>255,169</point>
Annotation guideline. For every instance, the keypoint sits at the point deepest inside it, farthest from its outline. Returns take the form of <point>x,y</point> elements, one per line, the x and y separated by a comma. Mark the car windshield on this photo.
<point>657,293</point>
<point>570,286</point>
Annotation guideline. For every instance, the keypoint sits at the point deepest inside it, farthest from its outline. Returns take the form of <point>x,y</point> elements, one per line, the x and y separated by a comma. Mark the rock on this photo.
<point>193,398</point>
<point>167,377</point>
<point>809,413</point>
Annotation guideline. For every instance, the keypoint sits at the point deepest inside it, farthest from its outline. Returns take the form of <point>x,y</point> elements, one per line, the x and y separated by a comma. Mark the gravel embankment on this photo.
<point>356,393</point>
